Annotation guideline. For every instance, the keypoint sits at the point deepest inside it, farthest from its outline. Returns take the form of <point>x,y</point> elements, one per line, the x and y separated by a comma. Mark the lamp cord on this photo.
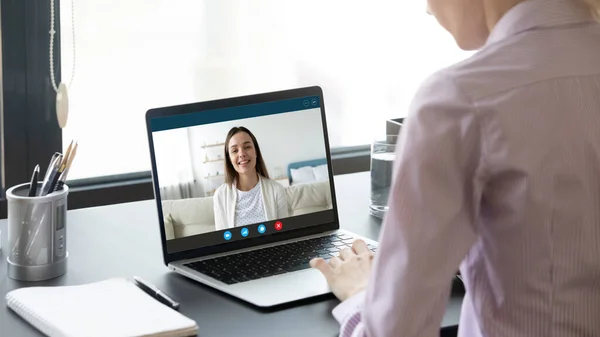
<point>52,33</point>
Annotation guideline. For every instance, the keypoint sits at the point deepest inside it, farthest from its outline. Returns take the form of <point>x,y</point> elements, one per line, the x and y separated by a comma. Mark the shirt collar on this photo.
<point>533,14</point>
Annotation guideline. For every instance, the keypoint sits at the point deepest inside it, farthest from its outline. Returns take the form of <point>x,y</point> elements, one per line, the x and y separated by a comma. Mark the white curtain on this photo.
<point>174,164</point>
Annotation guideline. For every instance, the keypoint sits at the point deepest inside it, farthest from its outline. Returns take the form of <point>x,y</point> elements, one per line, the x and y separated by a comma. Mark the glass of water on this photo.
<point>383,154</point>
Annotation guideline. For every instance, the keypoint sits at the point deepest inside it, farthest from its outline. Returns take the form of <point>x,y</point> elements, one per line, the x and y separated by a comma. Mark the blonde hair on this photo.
<point>594,8</point>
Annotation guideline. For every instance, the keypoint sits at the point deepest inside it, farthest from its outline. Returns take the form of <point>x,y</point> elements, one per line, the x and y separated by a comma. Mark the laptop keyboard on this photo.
<point>271,261</point>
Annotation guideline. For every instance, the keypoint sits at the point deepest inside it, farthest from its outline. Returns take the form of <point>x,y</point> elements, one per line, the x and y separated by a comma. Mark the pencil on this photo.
<point>63,165</point>
<point>72,155</point>
<point>63,177</point>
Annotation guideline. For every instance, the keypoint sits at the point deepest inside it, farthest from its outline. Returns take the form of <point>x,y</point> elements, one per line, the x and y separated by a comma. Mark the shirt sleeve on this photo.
<point>429,227</point>
<point>282,203</point>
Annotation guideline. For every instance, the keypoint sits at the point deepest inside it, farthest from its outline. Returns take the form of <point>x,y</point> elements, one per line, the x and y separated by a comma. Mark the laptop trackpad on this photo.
<point>282,288</point>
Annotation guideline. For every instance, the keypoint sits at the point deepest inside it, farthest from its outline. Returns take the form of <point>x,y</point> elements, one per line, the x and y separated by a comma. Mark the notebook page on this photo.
<point>114,307</point>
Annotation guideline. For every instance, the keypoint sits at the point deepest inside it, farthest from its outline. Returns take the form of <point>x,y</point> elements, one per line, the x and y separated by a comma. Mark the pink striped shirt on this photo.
<point>498,168</point>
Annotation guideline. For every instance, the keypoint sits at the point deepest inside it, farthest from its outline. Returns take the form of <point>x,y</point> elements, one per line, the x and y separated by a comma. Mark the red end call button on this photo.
<point>278,226</point>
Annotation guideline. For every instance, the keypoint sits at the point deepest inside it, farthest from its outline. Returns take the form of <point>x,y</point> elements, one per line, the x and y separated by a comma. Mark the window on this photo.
<point>138,54</point>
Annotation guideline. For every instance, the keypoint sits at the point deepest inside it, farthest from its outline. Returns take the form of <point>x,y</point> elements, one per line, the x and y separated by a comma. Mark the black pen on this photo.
<point>50,165</point>
<point>51,173</point>
<point>152,291</point>
<point>34,181</point>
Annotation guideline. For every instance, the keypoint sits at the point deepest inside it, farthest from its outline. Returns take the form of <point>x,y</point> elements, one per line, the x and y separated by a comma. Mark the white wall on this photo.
<point>283,138</point>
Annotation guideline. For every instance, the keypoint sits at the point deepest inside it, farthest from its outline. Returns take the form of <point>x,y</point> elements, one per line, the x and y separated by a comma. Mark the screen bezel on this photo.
<point>229,103</point>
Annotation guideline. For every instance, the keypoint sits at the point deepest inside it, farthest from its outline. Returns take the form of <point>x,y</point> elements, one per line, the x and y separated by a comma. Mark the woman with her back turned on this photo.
<point>498,174</point>
<point>248,196</point>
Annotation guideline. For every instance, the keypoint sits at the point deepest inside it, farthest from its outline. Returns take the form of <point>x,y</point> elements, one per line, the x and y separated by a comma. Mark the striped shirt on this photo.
<point>498,173</point>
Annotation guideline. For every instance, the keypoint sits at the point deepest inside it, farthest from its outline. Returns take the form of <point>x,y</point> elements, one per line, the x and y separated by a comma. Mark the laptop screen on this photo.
<point>241,172</point>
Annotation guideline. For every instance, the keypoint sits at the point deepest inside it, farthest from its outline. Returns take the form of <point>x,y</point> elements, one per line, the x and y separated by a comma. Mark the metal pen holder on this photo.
<point>37,236</point>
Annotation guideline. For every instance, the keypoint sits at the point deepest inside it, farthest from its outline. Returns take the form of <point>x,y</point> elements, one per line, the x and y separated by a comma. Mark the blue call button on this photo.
<point>227,235</point>
<point>244,232</point>
<point>262,229</point>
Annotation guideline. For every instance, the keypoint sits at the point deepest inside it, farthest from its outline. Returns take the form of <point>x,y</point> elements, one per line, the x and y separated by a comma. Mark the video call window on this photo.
<point>258,172</point>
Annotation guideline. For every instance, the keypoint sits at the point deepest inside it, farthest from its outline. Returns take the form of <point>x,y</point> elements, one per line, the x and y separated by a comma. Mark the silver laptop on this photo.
<point>245,194</point>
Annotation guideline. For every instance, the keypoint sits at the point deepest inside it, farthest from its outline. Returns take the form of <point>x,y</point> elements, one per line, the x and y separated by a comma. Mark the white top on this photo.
<point>249,208</point>
<point>274,201</point>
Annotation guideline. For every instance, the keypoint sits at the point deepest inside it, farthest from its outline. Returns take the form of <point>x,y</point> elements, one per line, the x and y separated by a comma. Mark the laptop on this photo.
<point>244,213</point>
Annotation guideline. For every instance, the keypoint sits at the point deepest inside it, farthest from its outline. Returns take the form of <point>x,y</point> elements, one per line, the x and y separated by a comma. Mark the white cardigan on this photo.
<point>225,198</point>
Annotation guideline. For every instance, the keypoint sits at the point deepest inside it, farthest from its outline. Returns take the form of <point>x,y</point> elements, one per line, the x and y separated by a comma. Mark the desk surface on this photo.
<point>123,240</point>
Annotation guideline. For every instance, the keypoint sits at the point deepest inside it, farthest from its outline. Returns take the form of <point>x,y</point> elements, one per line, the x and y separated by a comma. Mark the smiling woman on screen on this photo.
<point>248,196</point>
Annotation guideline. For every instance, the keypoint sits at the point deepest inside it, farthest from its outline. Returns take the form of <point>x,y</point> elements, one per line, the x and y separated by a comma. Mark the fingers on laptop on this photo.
<point>346,254</point>
<point>334,262</point>
<point>321,265</point>
<point>360,247</point>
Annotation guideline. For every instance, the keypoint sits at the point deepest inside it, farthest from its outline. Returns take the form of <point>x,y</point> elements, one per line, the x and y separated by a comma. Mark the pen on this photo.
<point>50,165</point>
<point>34,181</point>
<point>51,174</point>
<point>152,291</point>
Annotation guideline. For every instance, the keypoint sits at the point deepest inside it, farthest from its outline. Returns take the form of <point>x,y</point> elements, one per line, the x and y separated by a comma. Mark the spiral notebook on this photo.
<point>114,307</point>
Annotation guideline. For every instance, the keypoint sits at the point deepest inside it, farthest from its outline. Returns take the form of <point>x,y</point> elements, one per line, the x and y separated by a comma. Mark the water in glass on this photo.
<point>382,163</point>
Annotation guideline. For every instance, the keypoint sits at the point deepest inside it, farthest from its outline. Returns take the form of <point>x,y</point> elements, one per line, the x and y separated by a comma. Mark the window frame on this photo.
<point>29,125</point>
<point>30,128</point>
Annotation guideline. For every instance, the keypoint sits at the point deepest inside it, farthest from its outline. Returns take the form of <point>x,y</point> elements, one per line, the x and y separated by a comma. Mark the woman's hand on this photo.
<point>348,274</point>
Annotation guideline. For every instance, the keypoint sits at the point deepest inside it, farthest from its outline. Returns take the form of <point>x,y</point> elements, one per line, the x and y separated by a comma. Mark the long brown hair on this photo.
<point>231,174</point>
